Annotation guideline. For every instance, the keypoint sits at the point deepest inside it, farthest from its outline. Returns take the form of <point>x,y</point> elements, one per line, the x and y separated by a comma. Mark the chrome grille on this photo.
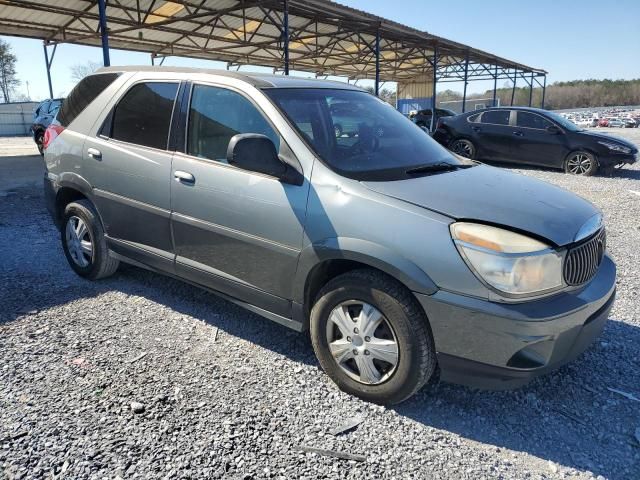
<point>582,261</point>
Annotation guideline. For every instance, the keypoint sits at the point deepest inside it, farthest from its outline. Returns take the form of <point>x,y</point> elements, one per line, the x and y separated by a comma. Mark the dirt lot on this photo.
<point>140,376</point>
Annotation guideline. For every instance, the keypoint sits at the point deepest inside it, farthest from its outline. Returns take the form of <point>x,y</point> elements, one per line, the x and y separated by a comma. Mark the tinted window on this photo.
<point>497,117</point>
<point>216,115</point>
<point>374,140</point>
<point>531,120</point>
<point>82,95</point>
<point>143,115</point>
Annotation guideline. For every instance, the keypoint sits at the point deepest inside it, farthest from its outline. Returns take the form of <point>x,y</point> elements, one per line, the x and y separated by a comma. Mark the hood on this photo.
<point>496,196</point>
<point>609,138</point>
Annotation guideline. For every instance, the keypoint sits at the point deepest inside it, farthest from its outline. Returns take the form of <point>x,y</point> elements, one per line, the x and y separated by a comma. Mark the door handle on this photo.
<point>94,153</point>
<point>518,134</point>
<point>184,177</point>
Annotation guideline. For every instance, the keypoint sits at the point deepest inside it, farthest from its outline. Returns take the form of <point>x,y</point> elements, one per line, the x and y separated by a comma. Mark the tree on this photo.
<point>81,70</point>
<point>8,76</point>
<point>385,94</point>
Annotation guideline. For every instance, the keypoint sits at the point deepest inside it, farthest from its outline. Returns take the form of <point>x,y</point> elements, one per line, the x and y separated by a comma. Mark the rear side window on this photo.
<point>216,115</point>
<point>474,118</point>
<point>143,115</point>
<point>531,120</point>
<point>497,117</point>
<point>82,95</point>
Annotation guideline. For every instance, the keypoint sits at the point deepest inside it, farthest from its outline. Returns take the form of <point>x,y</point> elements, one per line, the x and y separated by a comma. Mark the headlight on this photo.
<point>512,263</point>
<point>615,147</point>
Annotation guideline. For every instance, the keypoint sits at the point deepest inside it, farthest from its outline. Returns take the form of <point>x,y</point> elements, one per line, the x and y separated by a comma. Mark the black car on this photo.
<point>532,136</point>
<point>423,117</point>
<point>629,122</point>
<point>42,117</point>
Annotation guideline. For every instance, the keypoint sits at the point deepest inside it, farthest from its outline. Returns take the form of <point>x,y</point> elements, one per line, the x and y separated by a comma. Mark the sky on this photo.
<point>571,39</point>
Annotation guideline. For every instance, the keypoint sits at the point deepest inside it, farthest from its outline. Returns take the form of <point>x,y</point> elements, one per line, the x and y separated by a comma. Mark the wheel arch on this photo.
<point>71,187</point>
<point>320,263</point>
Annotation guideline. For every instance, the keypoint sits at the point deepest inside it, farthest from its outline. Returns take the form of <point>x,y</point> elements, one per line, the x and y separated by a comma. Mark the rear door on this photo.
<point>237,231</point>
<point>533,144</point>
<point>131,170</point>
<point>492,135</point>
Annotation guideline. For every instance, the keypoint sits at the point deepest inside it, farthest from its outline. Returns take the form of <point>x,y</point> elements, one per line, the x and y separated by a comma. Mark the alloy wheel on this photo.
<point>579,164</point>
<point>464,148</point>
<point>362,342</point>
<point>79,241</point>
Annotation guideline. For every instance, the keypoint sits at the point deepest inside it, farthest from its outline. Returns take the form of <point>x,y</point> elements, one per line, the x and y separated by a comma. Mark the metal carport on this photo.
<point>317,36</point>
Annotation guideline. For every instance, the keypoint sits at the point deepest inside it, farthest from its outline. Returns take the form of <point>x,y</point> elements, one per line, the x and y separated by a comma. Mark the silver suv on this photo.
<point>399,259</point>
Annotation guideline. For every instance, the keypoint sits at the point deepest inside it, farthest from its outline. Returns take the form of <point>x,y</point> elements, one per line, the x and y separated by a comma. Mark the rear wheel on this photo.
<point>463,147</point>
<point>84,243</point>
<point>371,337</point>
<point>581,163</point>
<point>39,138</point>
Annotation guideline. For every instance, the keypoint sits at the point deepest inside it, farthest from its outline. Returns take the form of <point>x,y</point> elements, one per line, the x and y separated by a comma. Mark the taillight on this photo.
<point>50,134</point>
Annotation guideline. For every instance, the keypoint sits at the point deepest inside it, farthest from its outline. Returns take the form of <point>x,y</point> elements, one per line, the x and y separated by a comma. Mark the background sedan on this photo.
<point>532,136</point>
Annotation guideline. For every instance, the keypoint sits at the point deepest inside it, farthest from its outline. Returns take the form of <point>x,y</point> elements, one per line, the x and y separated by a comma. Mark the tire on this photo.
<point>39,139</point>
<point>337,130</point>
<point>87,251</point>
<point>463,147</point>
<point>581,163</point>
<point>402,324</point>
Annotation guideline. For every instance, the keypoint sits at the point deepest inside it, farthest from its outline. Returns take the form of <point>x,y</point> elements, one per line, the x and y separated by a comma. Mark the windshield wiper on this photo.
<point>433,167</point>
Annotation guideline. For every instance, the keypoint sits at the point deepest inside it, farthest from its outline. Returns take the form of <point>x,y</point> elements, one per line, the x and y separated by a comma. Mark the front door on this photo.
<point>236,231</point>
<point>534,144</point>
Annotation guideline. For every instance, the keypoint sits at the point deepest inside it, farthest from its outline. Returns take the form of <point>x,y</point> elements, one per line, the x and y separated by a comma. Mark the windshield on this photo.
<point>563,122</point>
<point>358,135</point>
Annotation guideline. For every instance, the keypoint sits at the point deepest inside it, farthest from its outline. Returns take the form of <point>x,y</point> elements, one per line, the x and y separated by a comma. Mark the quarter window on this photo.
<point>216,115</point>
<point>496,117</point>
<point>531,120</point>
<point>143,115</point>
<point>82,95</point>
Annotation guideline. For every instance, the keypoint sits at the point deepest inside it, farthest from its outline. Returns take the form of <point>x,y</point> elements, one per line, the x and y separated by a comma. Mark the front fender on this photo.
<point>365,252</point>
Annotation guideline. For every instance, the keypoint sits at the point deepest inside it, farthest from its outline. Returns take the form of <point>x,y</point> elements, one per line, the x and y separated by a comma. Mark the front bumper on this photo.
<point>502,345</point>
<point>615,159</point>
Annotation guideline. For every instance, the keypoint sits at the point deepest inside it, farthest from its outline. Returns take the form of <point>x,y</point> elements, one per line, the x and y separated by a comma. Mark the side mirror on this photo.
<point>553,130</point>
<point>257,153</point>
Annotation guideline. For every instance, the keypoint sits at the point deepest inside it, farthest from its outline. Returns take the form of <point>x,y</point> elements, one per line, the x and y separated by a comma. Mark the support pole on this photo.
<point>102,10</point>
<point>377,53</point>
<point>152,63</point>
<point>433,95</point>
<point>544,91</point>
<point>286,36</point>
<point>466,78</point>
<point>48,65</point>
<point>513,90</point>
<point>531,90</point>
<point>495,87</point>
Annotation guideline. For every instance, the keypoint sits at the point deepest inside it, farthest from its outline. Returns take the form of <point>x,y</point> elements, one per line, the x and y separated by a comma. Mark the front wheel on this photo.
<point>371,337</point>
<point>581,163</point>
<point>463,147</point>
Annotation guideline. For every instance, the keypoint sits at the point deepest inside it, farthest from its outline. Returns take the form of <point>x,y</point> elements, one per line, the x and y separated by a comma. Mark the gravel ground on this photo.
<point>141,376</point>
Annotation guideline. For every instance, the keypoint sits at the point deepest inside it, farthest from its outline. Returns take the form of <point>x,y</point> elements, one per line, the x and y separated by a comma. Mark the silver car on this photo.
<point>397,257</point>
